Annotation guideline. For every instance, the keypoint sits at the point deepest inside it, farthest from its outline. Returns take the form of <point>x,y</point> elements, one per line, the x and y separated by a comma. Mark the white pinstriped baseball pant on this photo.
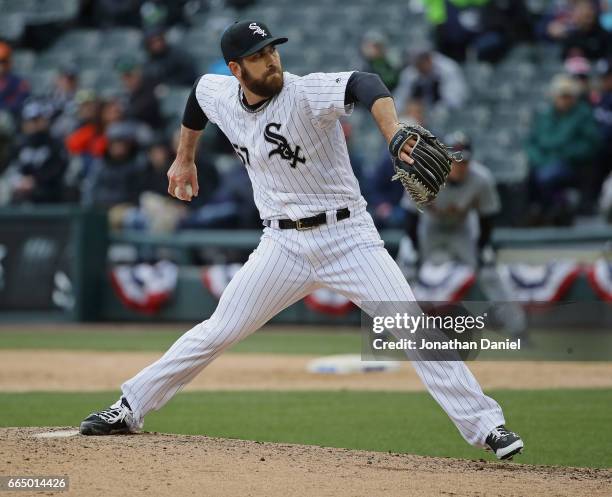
<point>347,256</point>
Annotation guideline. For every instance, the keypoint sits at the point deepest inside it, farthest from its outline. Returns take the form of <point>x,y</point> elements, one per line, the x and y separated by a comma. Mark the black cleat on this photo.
<point>504,443</point>
<point>114,420</point>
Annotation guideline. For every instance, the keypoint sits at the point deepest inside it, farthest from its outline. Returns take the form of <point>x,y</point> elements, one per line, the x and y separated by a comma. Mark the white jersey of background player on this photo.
<point>318,234</point>
<point>457,226</point>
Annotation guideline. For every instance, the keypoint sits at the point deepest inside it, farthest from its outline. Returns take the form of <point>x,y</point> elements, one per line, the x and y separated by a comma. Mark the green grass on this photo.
<point>560,427</point>
<point>546,344</point>
<point>293,342</point>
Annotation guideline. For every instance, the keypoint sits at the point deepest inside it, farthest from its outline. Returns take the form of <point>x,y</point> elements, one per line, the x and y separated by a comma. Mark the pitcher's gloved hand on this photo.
<point>432,163</point>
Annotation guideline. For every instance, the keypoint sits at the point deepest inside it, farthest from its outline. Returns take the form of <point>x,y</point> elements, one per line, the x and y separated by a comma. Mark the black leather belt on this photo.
<point>307,223</point>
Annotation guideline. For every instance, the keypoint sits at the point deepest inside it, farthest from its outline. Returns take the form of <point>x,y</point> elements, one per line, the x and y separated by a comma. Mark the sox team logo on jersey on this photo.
<point>282,146</point>
<point>257,30</point>
<point>293,147</point>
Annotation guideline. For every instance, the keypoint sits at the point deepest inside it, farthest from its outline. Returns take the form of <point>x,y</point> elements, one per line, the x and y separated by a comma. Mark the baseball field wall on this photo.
<point>54,265</point>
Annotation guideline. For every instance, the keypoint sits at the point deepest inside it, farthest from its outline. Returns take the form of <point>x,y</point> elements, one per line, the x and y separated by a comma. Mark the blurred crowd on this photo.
<point>111,150</point>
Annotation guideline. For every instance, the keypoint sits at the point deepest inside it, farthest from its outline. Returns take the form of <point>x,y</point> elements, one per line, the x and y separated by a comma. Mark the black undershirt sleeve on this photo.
<point>486,230</point>
<point>193,116</point>
<point>365,88</point>
<point>411,228</point>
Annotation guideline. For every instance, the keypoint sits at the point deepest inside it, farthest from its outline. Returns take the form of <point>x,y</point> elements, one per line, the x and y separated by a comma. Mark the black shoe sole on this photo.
<point>510,455</point>
<point>96,429</point>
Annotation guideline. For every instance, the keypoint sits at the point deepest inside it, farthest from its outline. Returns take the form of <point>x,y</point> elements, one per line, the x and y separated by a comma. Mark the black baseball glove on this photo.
<point>432,163</point>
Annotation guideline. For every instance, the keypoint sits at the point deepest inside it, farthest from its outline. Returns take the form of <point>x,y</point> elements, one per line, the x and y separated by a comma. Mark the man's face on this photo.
<point>372,50</point>
<point>262,72</point>
<point>606,83</point>
<point>156,44</point>
<point>458,172</point>
<point>66,83</point>
<point>31,126</point>
<point>159,156</point>
<point>131,79</point>
<point>424,64</point>
<point>414,110</point>
<point>88,110</point>
<point>564,102</point>
<point>119,149</point>
<point>112,111</point>
<point>584,15</point>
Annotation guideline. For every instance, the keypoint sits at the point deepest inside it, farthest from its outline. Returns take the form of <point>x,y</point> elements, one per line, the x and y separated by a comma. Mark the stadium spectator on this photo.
<point>384,196</point>
<point>603,116</point>
<point>413,111</point>
<point>166,63</point>
<point>115,180</point>
<point>563,141</point>
<point>432,78</point>
<point>88,137</point>
<point>65,88</point>
<point>159,159</point>
<point>108,13</point>
<point>556,22</point>
<point>39,161</point>
<point>142,103</point>
<point>377,60</point>
<point>605,17</point>
<point>14,90</point>
<point>586,38</point>
<point>89,141</point>
<point>212,147</point>
<point>168,12</point>
<point>355,157</point>
<point>488,27</point>
<point>63,101</point>
<point>7,132</point>
<point>230,206</point>
<point>240,4</point>
<point>579,68</point>
<point>112,111</point>
<point>157,211</point>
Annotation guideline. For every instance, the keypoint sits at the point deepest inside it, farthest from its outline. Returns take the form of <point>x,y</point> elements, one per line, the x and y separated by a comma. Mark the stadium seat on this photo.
<point>44,11</point>
<point>41,80</point>
<point>173,100</point>
<point>78,41</point>
<point>123,39</point>
<point>23,61</point>
<point>12,26</point>
<point>21,7</point>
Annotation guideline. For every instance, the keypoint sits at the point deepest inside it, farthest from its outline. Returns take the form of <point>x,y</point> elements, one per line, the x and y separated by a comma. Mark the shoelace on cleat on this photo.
<point>113,414</point>
<point>499,433</point>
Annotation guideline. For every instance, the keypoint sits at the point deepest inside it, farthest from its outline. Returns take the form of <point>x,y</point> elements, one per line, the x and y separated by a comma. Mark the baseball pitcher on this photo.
<point>317,232</point>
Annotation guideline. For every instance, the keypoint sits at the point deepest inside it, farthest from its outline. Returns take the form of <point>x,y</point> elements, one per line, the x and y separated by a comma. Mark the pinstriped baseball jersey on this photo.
<point>293,146</point>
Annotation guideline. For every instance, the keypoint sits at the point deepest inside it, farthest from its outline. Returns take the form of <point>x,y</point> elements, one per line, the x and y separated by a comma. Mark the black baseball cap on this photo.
<point>244,38</point>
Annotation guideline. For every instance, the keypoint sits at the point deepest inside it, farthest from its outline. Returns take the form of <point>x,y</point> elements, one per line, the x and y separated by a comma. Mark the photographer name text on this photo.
<point>452,344</point>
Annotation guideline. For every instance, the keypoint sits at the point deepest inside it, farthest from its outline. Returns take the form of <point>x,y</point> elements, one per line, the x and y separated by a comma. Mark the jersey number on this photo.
<point>243,153</point>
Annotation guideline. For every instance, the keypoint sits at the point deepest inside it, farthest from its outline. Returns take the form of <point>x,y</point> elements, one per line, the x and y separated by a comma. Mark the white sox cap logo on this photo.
<point>257,30</point>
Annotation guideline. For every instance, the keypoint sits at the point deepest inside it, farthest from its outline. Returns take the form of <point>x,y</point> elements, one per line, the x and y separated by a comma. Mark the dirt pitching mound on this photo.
<point>153,464</point>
